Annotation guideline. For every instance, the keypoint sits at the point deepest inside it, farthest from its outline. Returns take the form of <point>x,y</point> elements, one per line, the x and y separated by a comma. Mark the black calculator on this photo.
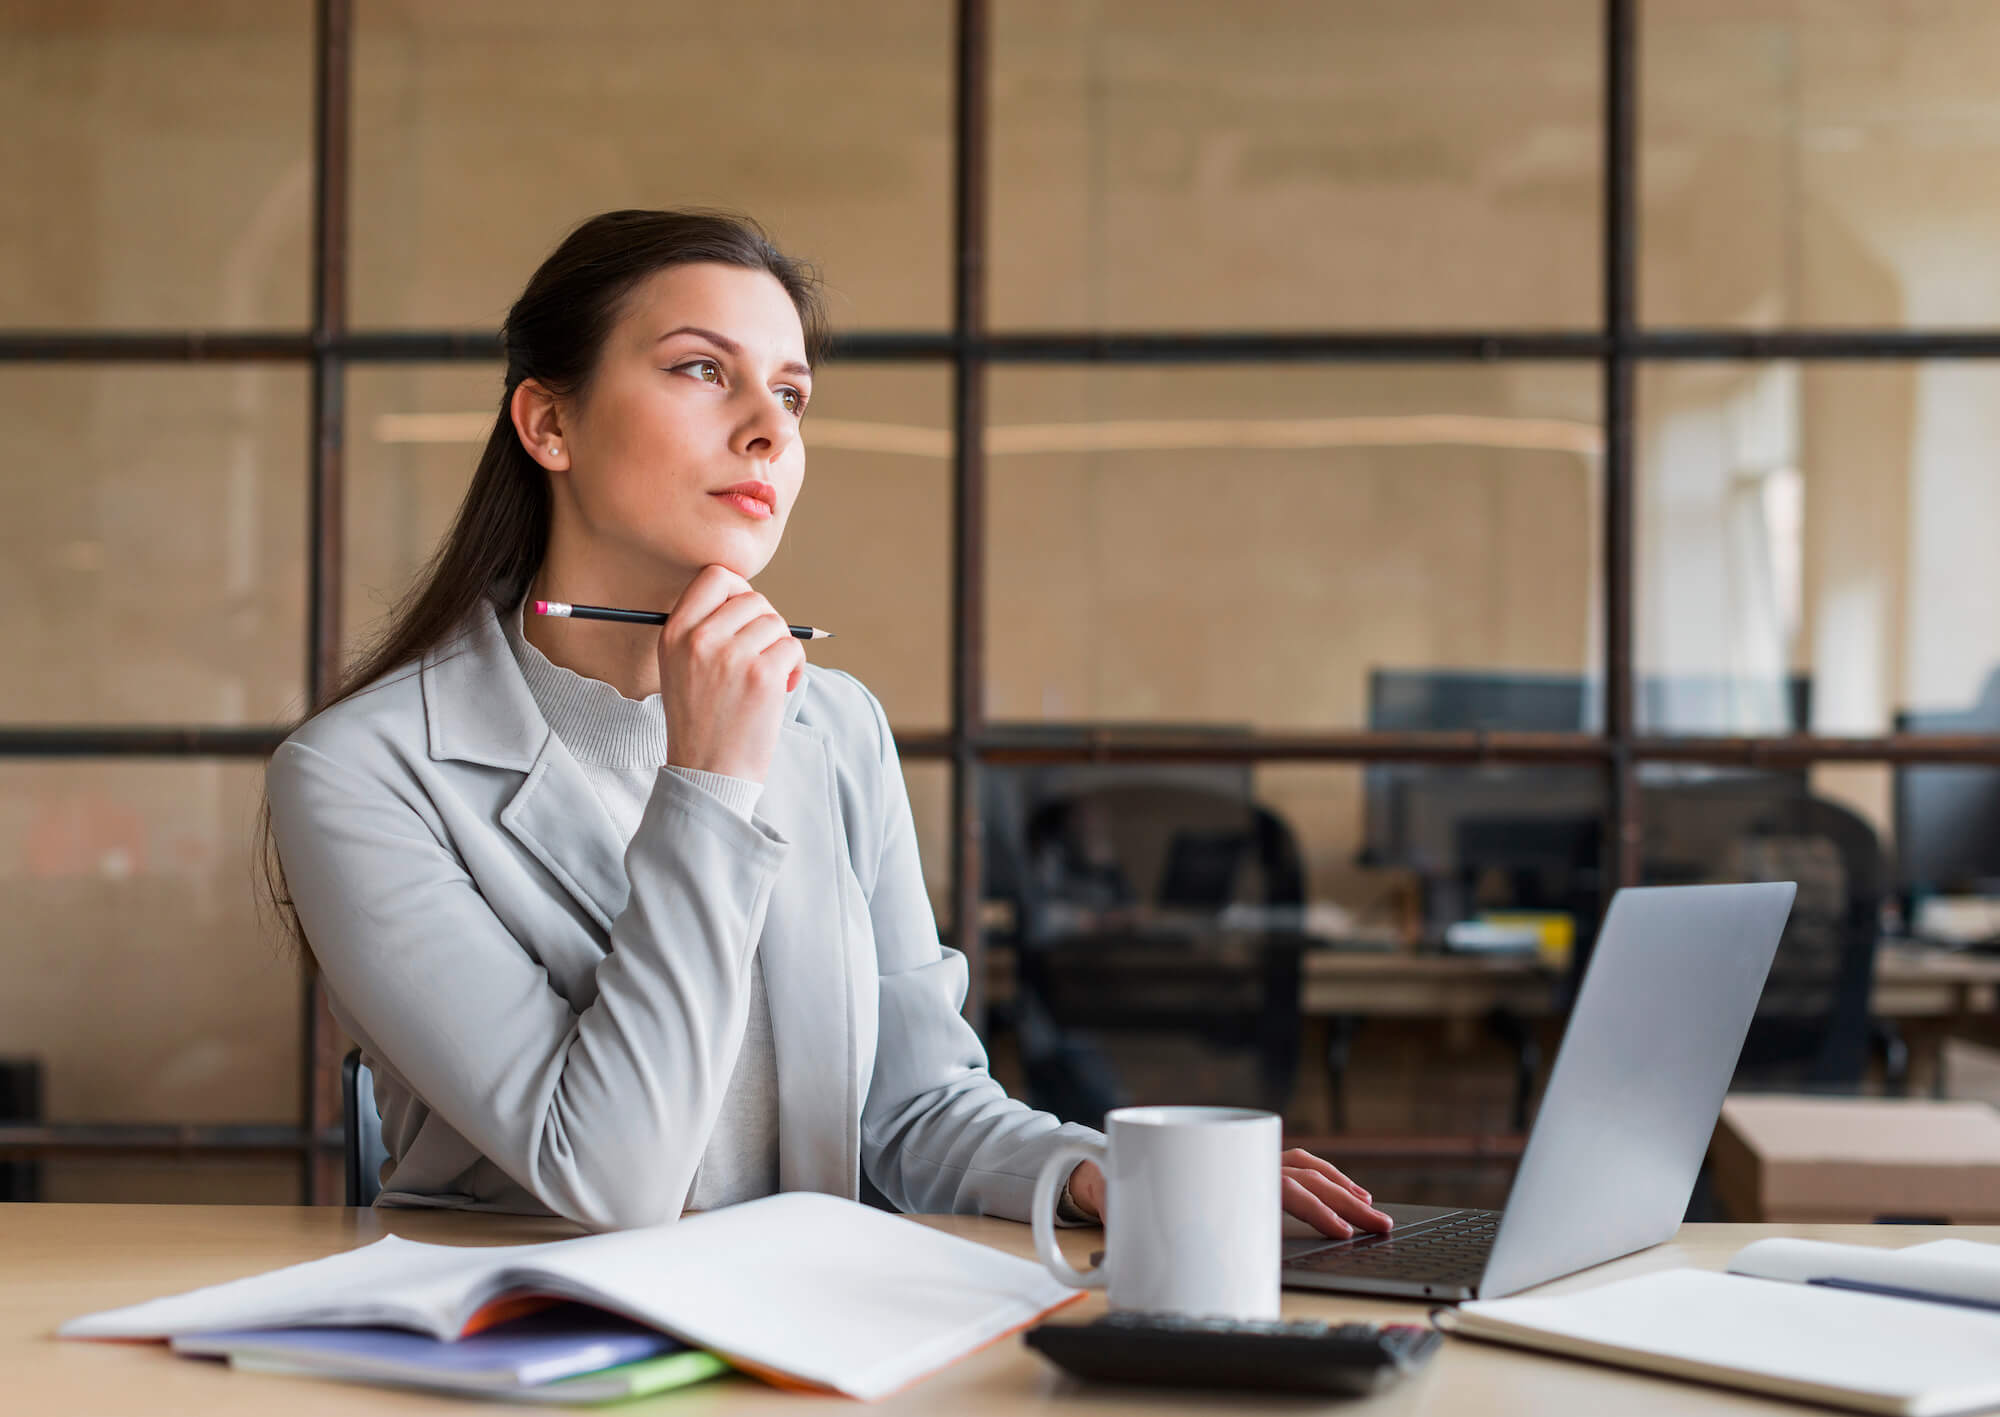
<point>1285,1355</point>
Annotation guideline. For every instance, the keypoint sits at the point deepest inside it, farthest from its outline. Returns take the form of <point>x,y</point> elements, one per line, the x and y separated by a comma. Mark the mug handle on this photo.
<point>1042,1211</point>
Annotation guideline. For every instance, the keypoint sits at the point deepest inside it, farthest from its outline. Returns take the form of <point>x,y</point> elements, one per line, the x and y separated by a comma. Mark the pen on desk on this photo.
<point>564,610</point>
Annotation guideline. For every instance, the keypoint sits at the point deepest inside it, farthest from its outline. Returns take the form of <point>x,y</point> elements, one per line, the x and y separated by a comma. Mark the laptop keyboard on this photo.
<point>1451,1249</point>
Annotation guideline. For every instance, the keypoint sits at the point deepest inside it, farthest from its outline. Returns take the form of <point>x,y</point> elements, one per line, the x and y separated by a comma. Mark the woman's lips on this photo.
<point>751,507</point>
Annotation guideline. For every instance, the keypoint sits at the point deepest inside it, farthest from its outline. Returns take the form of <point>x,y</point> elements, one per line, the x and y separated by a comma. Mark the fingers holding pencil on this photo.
<point>727,663</point>
<point>564,610</point>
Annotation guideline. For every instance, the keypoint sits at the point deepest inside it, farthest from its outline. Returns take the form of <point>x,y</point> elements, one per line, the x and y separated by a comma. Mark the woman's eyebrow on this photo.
<point>730,346</point>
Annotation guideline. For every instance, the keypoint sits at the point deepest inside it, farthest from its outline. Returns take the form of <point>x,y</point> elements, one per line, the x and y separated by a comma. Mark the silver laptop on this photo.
<point>1637,1086</point>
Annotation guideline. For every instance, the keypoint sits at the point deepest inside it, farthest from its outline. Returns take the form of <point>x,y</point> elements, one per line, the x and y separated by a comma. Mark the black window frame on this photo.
<point>1618,346</point>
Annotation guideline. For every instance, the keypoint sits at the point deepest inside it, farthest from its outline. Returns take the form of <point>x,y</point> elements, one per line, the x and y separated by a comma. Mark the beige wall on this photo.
<point>137,968</point>
<point>157,163</point>
<point>154,542</point>
<point>1236,544</point>
<point>1166,163</point>
<point>1819,162</point>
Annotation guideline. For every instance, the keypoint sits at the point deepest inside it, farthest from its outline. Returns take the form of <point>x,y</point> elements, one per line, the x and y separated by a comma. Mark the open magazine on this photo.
<point>800,1289</point>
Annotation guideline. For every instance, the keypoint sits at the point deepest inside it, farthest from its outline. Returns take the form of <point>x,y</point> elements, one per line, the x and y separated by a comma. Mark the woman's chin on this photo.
<point>733,555</point>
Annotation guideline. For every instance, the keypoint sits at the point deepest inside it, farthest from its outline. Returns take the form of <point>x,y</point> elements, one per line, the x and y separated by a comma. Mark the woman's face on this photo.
<point>698,391</point>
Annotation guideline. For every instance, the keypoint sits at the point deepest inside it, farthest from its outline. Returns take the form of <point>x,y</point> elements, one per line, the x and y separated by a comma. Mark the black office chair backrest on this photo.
<point>1167,844</point>
<point>1811,1028</point>
<point>362,1148</point>
<point>1188,854</point>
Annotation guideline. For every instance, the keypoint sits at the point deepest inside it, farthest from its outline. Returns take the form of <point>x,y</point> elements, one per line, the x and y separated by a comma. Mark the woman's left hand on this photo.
<point>1314,1191</point>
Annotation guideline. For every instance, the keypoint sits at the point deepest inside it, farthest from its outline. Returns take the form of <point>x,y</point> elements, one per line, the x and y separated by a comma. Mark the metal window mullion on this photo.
<point>1003,742</point>
<point>968,505</point>
<point>333,34</point>
<point>42,1141</point>
<point>1620,328</point>
<point>1137,347</point>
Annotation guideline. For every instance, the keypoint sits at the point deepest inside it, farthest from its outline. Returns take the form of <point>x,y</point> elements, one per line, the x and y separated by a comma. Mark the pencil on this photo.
<point>564,610</point>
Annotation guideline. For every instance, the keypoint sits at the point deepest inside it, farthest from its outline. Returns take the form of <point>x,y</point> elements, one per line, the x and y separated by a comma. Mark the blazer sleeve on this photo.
<point>938,1134</point>
<point>602,1115</point>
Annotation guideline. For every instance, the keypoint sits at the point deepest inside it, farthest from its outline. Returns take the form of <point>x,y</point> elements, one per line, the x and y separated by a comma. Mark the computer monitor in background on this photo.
<point>1948,816</point>
<point>1538,829</point>
<point>1438,700</point>
<point>1443,700</point>
<point>1453,825</point>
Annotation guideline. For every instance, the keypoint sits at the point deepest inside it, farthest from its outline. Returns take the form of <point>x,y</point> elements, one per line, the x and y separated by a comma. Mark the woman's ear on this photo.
<point>537,416</point>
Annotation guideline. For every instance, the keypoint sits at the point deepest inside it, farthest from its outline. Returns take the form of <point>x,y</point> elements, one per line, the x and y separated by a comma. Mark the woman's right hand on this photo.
<point>727,660</point>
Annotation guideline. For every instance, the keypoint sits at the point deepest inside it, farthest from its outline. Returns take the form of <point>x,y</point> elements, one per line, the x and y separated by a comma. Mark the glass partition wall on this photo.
<point>1274,392</point>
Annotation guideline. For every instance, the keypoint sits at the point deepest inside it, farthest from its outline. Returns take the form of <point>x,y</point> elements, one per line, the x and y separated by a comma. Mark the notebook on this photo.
<point>567,1353</point>
<point>800,1289</point>
<point>1820,1338</point>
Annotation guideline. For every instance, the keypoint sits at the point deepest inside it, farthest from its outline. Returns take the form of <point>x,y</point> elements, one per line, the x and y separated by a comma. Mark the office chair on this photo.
<point>1812,1029</point>
<point>362,1149</point>
<point>1172,856</point>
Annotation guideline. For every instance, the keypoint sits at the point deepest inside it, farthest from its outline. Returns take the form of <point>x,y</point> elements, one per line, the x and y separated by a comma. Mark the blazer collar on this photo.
<point>477,707</point>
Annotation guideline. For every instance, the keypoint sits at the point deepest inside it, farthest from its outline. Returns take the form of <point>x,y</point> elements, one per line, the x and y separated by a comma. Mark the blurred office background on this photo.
<point>1301,476</point>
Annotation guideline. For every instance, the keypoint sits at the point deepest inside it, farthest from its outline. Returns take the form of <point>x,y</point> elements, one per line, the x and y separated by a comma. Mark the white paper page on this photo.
<point>821,1288</point>
<point>1916,1358</point>
<point>393,1281</point>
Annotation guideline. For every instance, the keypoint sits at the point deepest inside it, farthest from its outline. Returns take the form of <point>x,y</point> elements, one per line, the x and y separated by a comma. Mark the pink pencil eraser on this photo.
<point>541,607</point>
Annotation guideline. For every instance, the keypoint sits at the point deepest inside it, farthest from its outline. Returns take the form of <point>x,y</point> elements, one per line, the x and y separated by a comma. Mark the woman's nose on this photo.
<point>768,430</point>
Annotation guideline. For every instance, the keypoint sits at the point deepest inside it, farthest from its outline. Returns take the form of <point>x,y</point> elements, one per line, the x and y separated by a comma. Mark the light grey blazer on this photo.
<point>553,1017</point>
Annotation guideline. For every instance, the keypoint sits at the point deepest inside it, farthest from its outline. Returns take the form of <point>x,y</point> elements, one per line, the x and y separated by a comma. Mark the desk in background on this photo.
<point>1911,982</point>
<point>57,1261</point>
<point>1930,993</point>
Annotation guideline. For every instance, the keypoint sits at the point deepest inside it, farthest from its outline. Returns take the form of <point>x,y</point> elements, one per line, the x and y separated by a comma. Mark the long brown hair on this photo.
<point>554,334</point>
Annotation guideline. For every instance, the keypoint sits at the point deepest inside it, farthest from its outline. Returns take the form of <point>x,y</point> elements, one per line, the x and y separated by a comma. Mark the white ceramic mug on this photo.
<point>1191,1210</point>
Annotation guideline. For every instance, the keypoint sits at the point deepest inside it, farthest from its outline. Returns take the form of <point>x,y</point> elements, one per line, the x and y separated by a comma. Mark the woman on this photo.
<point>630,921</point>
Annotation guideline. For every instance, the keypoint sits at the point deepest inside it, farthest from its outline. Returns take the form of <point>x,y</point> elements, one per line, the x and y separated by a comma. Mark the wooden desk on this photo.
<point>1408,985</point>
<point>57,1261</point>
<point>1915,981</point>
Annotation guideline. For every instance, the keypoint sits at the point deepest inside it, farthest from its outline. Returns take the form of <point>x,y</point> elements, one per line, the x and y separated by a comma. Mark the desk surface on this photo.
<point>57,1261</point>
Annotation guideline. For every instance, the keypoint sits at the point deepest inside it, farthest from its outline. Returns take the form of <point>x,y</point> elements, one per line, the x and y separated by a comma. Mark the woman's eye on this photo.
<point>795,401</point>
<point>706,370</point>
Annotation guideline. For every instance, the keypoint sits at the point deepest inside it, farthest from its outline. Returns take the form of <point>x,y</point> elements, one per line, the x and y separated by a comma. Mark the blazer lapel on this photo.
<point>479,709</point>
<point>809,974</point>
<point>560,819</point>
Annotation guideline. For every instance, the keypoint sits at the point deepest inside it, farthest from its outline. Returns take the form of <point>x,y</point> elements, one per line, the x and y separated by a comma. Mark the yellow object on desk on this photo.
<point>1555,932</point>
